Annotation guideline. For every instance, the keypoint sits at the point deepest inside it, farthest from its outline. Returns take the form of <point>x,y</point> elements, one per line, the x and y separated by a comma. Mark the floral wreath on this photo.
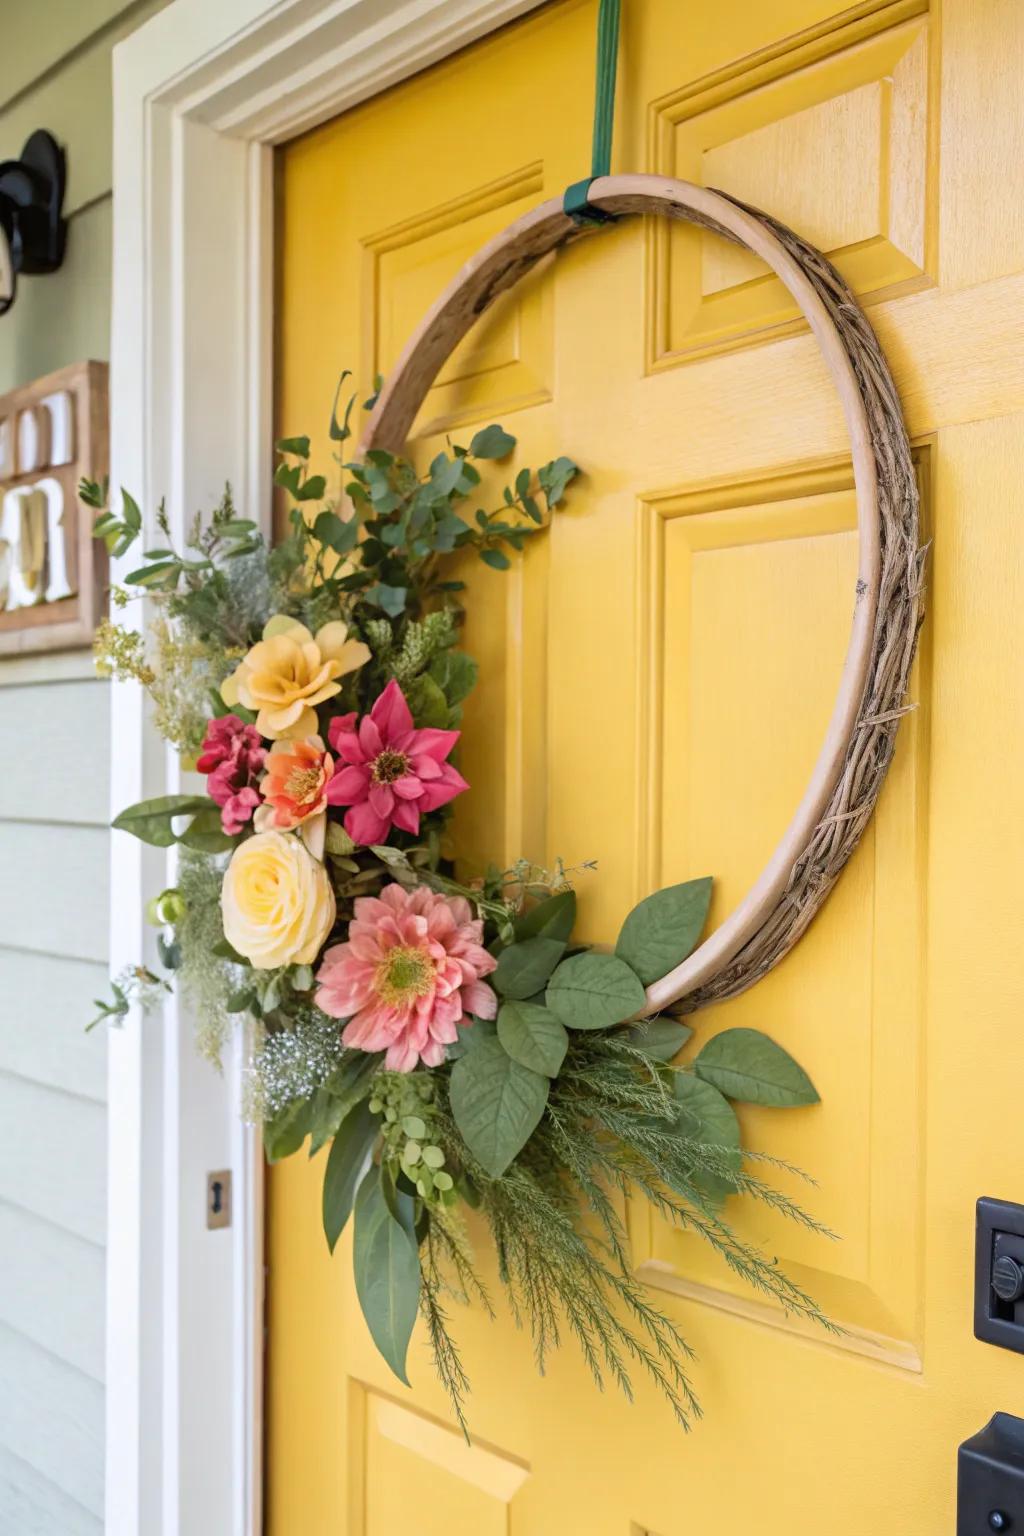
<point>444,1037</point>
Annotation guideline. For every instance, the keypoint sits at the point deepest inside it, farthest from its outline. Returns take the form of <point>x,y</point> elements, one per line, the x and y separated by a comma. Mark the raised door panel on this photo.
<point>834,133</point>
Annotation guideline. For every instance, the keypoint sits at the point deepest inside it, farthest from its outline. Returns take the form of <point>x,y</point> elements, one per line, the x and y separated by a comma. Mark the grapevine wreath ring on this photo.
<point>859,743</point>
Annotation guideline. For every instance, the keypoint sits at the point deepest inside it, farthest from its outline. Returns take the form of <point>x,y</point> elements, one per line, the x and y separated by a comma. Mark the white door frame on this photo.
<point>202,93</point>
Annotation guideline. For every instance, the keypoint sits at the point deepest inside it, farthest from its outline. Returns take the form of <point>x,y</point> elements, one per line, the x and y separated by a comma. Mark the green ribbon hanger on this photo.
<point>576,201</point>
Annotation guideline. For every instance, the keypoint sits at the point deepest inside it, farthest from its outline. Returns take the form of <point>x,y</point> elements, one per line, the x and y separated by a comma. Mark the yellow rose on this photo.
<point>277,901</point>
<point>290,671</point>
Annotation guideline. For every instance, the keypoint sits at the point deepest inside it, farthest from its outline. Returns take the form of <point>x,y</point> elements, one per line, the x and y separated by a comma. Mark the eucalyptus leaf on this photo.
<point>744,1064</point>
<point>151,820</point>
<point>492,443</point>
<point>525,966</point>
<point>594,991</point>
<point>659,1038</point>
<point>349,1151</point>
<point>497,1103</point>
<point>533,1036</point>
<point>552,918</point>
<point>387,1274</point>
<point>663,929</point>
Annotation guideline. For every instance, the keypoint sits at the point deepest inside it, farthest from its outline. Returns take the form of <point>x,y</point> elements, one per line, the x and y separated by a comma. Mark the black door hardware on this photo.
<point>990,1479</point>
<point>999,1275</point>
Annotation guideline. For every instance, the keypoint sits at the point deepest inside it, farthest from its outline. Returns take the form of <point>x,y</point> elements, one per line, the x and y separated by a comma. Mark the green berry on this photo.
<point>375,1106</point>
<point>390,1115</point>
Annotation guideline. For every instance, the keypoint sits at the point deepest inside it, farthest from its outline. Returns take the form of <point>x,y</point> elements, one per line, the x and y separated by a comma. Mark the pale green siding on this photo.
<point>54,739</point>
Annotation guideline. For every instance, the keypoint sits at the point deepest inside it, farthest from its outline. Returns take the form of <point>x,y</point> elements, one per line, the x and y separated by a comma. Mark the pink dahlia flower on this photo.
<point>388,773</point>
<point>233,756</point>
<point>409,972</point>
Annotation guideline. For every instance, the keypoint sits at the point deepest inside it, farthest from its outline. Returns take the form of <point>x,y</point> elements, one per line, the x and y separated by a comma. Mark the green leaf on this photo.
<point>285,1132</point>
<point>660,1039</point>
<point>391,599</point>
<point>150,820</point>
<point>427,702</point>
<point>554,478</point>
<point>744,1064</point>
<point>312,489</point>
<point>154,575</point>
<point>288,476</point>
<point>387,1273</point>
<point>492,443</point>
<point>552,918</point>
<point>350,1082</point>
<point>205,833</point>
<point>338,535</point>
<point>131,512</point>
<point>524,967</point>
<point>664,928</point>
<point>325,1117</point>
<point>497,1103</point>
<point>594,991</point>
<point>298,446</point>
<point>533,1036</point>
<point>352,1142</point>
<point>707,1117</point>
<point>496,559</point>
<point>455,674</point>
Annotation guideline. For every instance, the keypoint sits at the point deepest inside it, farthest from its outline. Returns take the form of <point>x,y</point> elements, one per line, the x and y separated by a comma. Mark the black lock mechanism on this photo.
<point>990,1479</point>
<point>999,1274</point>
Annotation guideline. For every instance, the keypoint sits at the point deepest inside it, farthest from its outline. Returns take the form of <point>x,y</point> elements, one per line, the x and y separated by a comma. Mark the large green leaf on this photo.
<point>205,832</point>
<point>552,918</point>
<point>524,967</point>
<point>533,1036</point>
<point>744,1064</point>
<point>707,1117</point>
<point>660,1038</point>
<point>285,1132</point>
<point>497,1103</point>
<point>387,1274</point>
<point>151,820</point>
<point>664,928</point>
<point>348,1153</point>
<point>594,991</point>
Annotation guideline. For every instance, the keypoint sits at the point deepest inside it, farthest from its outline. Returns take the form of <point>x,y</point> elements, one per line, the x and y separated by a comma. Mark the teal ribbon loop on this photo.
<point>576,202</point>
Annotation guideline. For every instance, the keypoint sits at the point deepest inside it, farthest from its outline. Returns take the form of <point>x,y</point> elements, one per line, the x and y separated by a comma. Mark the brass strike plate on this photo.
<point>218,1198</point>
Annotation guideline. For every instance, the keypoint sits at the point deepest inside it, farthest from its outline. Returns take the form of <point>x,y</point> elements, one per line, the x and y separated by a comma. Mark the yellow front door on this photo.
<point>656,678</point>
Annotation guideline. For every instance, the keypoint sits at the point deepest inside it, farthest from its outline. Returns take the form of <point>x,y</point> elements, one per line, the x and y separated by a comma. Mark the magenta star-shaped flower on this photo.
<point>388,773</point>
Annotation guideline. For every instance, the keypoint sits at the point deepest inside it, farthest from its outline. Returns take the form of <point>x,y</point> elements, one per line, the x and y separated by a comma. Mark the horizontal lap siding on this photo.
<point>30,1505</point>
<point>54,898</point>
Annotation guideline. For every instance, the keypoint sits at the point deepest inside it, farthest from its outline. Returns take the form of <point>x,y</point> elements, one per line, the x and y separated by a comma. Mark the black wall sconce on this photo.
<point>32,230</point>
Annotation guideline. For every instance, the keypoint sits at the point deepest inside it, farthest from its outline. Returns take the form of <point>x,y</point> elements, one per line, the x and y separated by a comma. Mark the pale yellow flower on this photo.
<point>289,672</point>
<point>277,901</point>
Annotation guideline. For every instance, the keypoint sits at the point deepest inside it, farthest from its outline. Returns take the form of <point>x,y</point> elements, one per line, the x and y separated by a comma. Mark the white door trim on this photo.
<point>201,94</point>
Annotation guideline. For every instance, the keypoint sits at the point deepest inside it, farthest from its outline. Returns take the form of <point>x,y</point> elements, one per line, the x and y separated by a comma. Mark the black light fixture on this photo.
<point>32,230</point>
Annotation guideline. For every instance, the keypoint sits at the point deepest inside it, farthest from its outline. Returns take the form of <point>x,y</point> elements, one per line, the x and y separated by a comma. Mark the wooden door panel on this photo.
<point>835,134</point>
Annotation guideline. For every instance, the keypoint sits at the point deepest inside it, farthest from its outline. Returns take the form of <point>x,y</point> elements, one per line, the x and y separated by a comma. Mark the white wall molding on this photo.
<point>201,94</point>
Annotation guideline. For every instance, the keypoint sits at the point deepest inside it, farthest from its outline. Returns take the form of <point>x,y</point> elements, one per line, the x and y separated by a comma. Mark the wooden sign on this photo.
<point>52,571</point>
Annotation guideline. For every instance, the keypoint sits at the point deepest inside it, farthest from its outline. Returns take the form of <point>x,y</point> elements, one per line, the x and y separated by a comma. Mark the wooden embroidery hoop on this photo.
<point>847,776</point>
